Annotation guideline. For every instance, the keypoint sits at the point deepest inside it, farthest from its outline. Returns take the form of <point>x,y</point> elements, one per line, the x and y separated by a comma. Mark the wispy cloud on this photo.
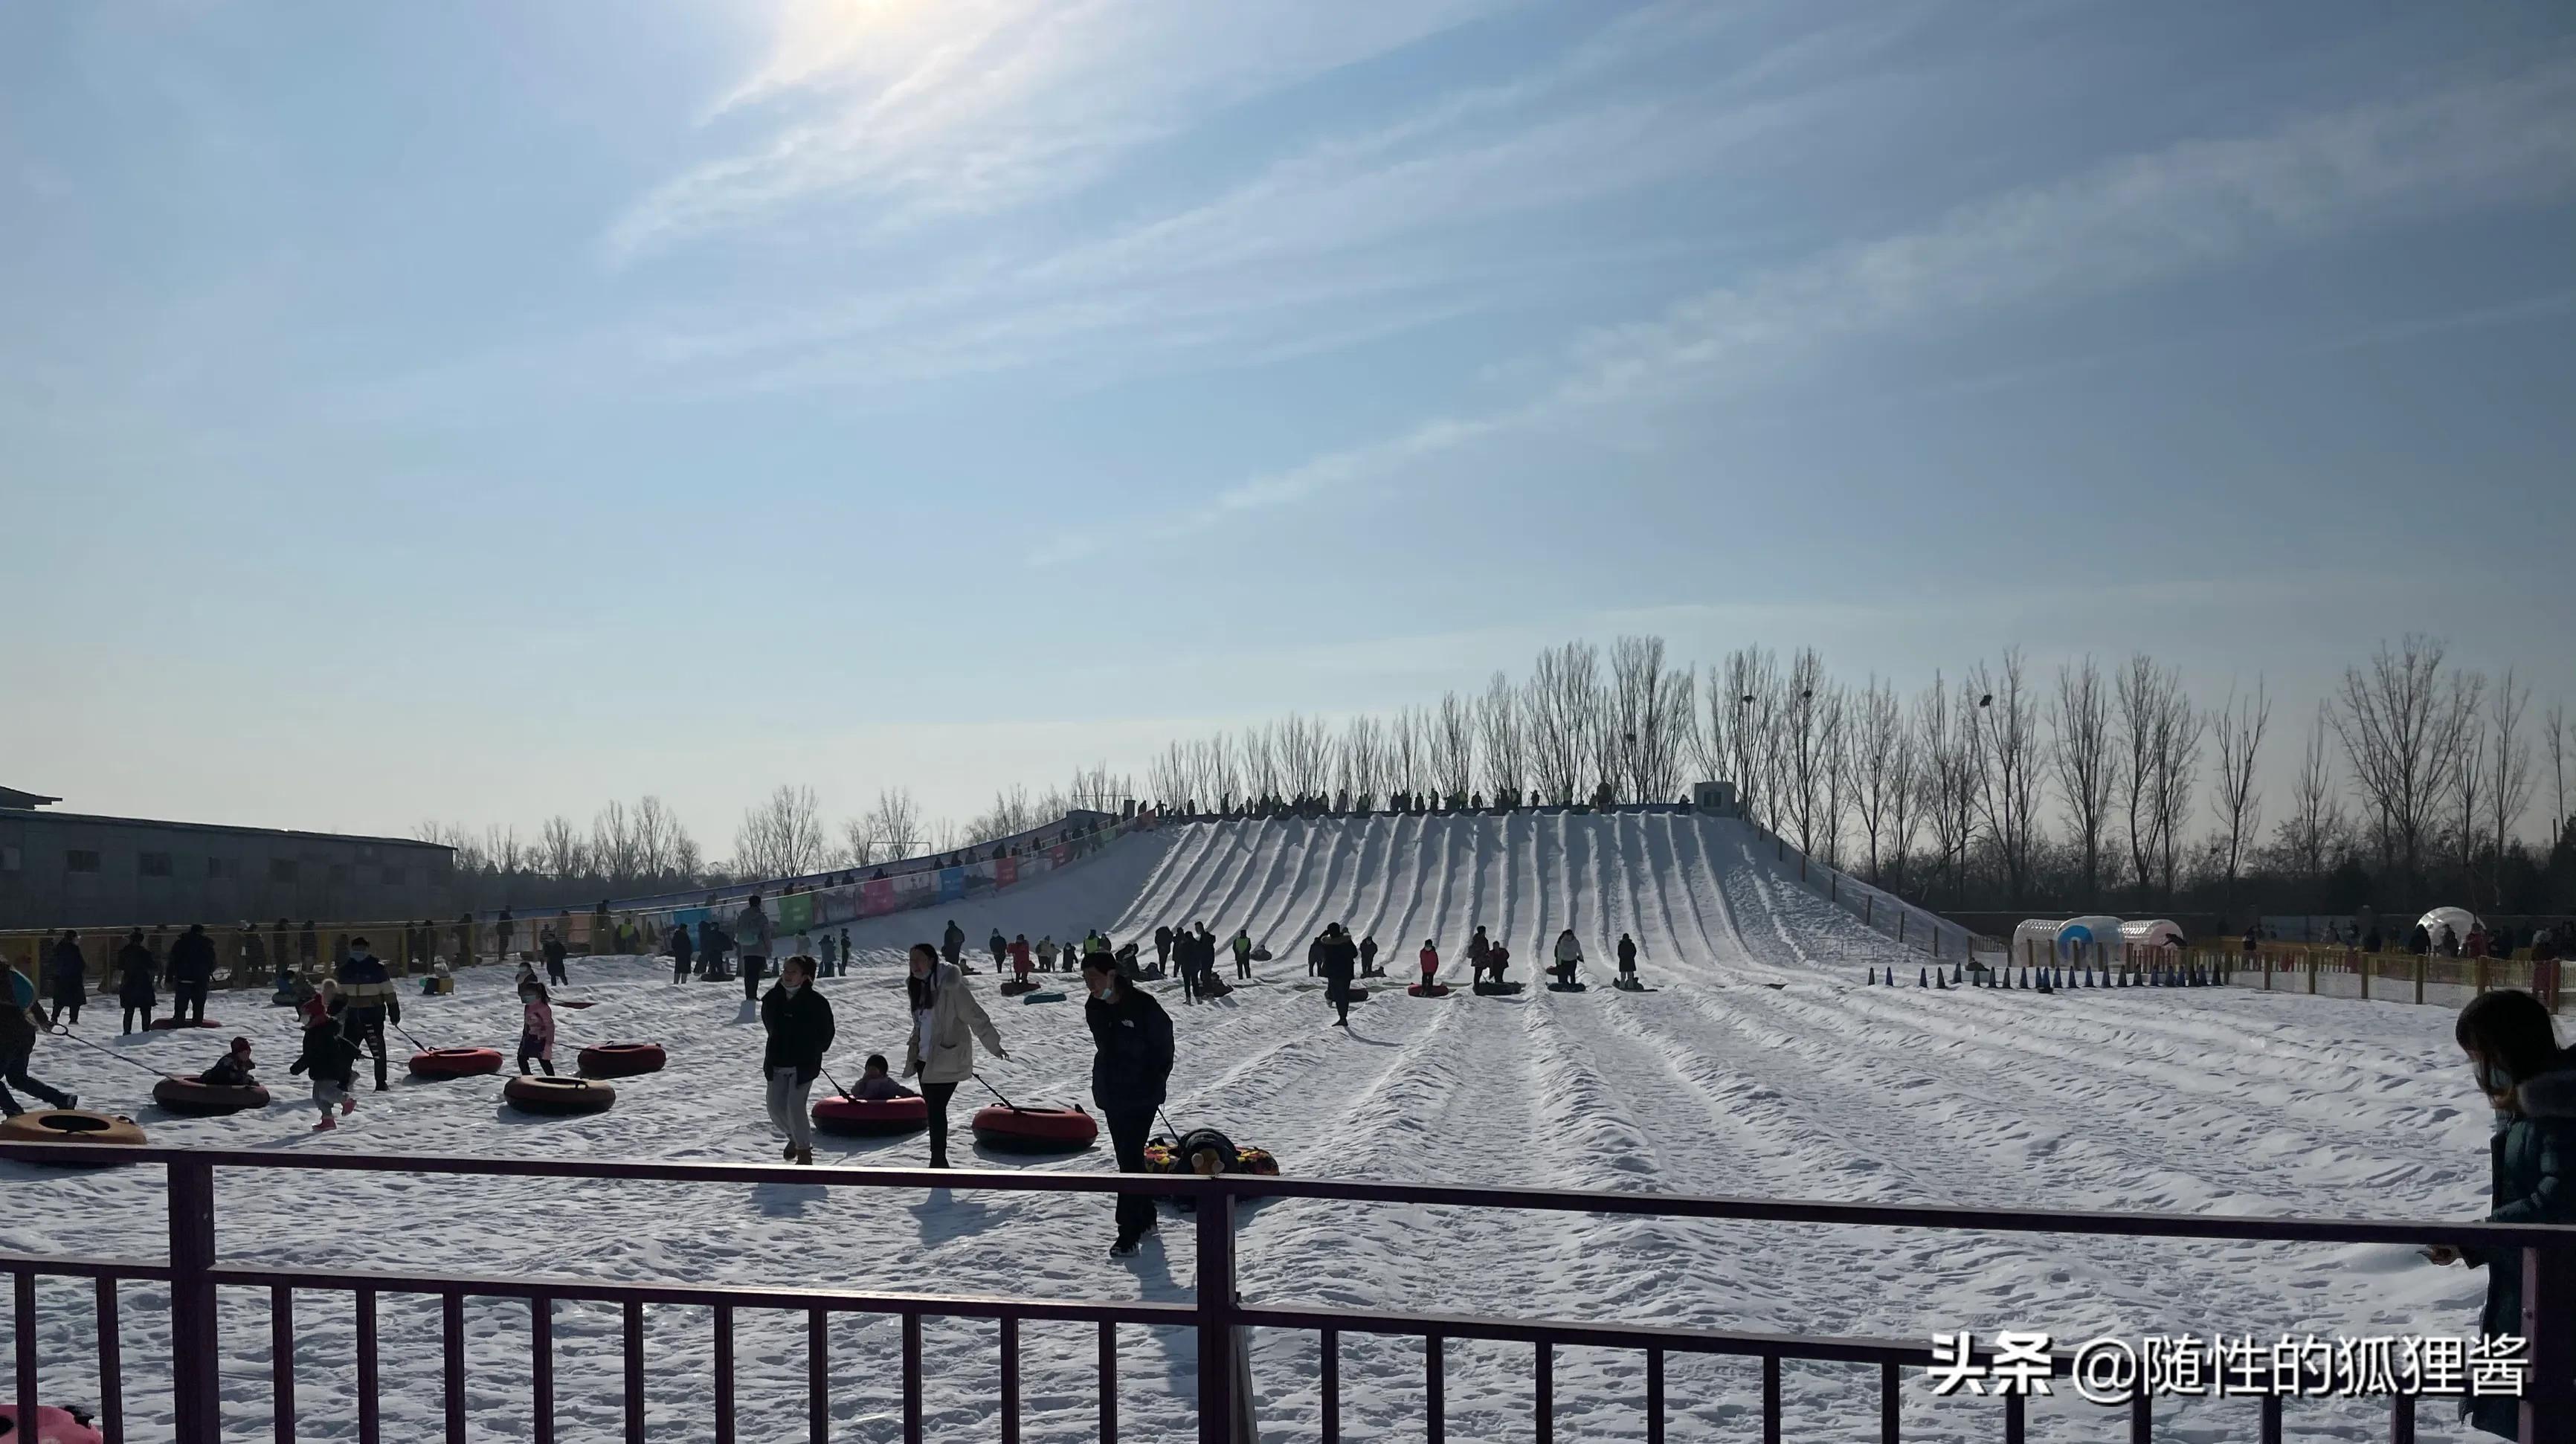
<point>913,108</point>
<point>2132,222</point>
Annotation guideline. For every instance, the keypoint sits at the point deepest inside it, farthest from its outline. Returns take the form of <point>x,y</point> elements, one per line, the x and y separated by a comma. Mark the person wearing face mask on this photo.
<point>799,1022</point>
<point>946,1021</point>
<point>1134,1038</point>
<point>2530,1082</point>
<point>373,1001</point>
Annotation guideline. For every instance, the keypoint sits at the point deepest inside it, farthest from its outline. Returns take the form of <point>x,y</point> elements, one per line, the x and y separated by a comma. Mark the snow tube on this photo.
<point>70,1125</point>
<point>1569,987</point>
<point>1489,989</point>
<point>1254,1161</point>
<point>860,1118</point>
<point>22,990</point>
<point>531,1093</point>
<point>163,1025</point>
<point>1015,987</point>
<point>1042,997</point>
<point>620,1060</point>
<point>1216,988</point>
<point>1035,1130</point>
<point>1261,955</point>
<point>1628,985</point>
<point>573,1003</point>
<point>1427,990</point>
<point>455,1063</point>
<point>206,1100</point>
<point>53,1426</point>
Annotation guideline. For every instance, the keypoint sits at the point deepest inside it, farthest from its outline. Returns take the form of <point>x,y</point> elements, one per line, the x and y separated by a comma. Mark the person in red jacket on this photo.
<point>1020,956</point>
<point>1430,962</point>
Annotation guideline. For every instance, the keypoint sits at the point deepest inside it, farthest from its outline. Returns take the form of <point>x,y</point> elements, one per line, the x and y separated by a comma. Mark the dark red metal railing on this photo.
<point>194,1273</point>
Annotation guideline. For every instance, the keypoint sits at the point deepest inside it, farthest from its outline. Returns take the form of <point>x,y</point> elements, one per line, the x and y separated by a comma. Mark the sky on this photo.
<point>477,412</point>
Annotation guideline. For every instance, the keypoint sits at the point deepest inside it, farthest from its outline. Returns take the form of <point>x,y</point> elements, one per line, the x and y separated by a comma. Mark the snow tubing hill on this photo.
<point>198,1099</point>
<point>455,1063</point>
<point>53,1426</point>
<point>1035,1130</point>
<point>621,1060</point>
<point>859,1118</point>
<point>556,1097</point>
<point>164,1025</point>
<point>1427,990</point>
<point>72,1125</point>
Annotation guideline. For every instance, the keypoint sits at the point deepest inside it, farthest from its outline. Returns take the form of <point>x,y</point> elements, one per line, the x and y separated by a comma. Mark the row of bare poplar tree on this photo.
<point>1992,773</point>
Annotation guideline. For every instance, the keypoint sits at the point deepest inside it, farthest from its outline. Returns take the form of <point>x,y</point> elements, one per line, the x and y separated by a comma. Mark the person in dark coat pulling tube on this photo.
<point>1128,1075</point>
<point>1336,957</point>
<point>799,1021</point>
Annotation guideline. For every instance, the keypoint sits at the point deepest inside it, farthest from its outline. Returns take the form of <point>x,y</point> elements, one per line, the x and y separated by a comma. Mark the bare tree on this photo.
<point>2467,745</point>
<point>2397,726</point>
<point>561,852</point>
<point>1362,764</point>
<point>2316,815</point>
<point>1453,745</point>
<point>2509,782</point>
<point>1713,739</point>
<point>1220,769</point>
<point>1168,776</point>
<point>2556,723</point>
<point>2005,749</point>
<point>1904,795</point>
<point>2087,769</point>
<point>2238,726</point>
<point>2159,738</point>
<point>1811,710</point>
<point>1753,697</point>
<point>1879,765</point>
<point>894,826</point>
<point>1561,705</point>
<point>1261,761</point>
<point>1498,725</point>
<point>1949,781</point>
<point>1651,719</point>
<point>782,836</point>
<point>1305,756</point>
<point>659,834</point>
<point>613,852</point>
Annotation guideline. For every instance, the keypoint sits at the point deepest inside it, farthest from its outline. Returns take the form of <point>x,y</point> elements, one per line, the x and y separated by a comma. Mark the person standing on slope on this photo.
<point>1046,953</point>
<point>192,971</point>
<point>1478,952</point>
<point>946,1021</point>
<point>1627,958</point>
<point>1206,943</point>
<point>1569,956</point>
<point>1020,957</point>
<point>1242,956</point>
<point>999,946</point>
<point>1163,947</point>
<point>134,987</point>
<point>555,953</point>
<point>1129,1071</point>
<point>1368,955</point>
<point>755,935</point>
<point>369,993</point>
<point>680,949</point>
<point>1498,957</point>
<point>798,1019</point>
<point>1430,960</point>
<point>67,978</point>
<point>952,944</point>
<point>1337,959</point>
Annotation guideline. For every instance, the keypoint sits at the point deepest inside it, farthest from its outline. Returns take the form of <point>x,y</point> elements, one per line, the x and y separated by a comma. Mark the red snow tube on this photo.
<point>198,1099</point>
<point>1035,1130</point>
<point>163,1025</point>
<point>861,1118</point>
<point>621,1060</point>
<point>53,1426</point>
<point>1428,990</point>
<point>530,1093</point>
<point>455,1063</point>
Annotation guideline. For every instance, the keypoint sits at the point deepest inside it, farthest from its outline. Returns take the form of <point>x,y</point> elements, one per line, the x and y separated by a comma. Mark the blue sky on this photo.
<point>480,411</point>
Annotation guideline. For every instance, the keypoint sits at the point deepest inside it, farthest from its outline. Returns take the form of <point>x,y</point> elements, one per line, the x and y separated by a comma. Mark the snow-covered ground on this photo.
<point>1760,1065</point>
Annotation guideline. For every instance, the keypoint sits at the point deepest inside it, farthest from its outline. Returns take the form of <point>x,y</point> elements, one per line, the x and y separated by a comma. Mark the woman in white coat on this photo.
<point>1569,956</point>
<point>946,1020</point>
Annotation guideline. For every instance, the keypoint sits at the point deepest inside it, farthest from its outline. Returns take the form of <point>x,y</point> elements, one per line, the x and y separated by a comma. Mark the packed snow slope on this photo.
<point>1760,1065</point>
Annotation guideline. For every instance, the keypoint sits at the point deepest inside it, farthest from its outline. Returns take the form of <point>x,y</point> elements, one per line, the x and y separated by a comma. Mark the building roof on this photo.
<point>92,819</point>
<point>12,798</point>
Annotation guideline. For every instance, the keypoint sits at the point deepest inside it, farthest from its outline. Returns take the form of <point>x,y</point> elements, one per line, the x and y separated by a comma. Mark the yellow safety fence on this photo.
<point>250,957</point>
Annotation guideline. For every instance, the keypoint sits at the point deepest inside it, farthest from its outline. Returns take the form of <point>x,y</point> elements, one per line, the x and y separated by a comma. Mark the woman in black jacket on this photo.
<point>134,986</point>
<point>799,1021</point>
<point>1134,1038</point>
<point>2530,1082</point>
<point>66,978</point>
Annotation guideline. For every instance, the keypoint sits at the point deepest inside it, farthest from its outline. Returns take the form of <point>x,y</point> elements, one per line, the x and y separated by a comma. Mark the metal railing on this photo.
<point>193,1273</point>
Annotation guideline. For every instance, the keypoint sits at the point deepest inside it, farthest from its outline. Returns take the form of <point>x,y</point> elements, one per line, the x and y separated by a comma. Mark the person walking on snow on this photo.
<point>1242,956</point>
<point>680,950</point>
<point>1046,953</point>
<point>1430,963</point>
<point>536,1028</point>
<point>1569,956</point>
<point>134,985</point>
<point>1129,1071</point>
<point>192,971</point>
<point>1627,958</point>
<point>755,934</point>
<point>1020,956</point>
<point>1001,947</point>
<point>952,944</point>
<point>1337,958</point>
<point>368,992</point>
<point>20,1020</point>
<point>946,1023</point>
<point>1497,958</point>
<point>1205,942</point>
<point>67,978</point>
<point>329,1057</point>
<point>798,1019</point>
<point>1163,946</point>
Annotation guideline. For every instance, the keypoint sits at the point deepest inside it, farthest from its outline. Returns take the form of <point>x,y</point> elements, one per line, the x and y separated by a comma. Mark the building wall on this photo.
<point>68,870</point>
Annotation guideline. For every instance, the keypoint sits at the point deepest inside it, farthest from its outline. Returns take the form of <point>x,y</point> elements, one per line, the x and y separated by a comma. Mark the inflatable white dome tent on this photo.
<point>2459,919</point>
<point>2035,939</point>
<point>2156,933</point>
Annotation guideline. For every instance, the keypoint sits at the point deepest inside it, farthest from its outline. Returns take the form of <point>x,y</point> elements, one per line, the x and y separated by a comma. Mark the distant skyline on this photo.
<point>478,413</point>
